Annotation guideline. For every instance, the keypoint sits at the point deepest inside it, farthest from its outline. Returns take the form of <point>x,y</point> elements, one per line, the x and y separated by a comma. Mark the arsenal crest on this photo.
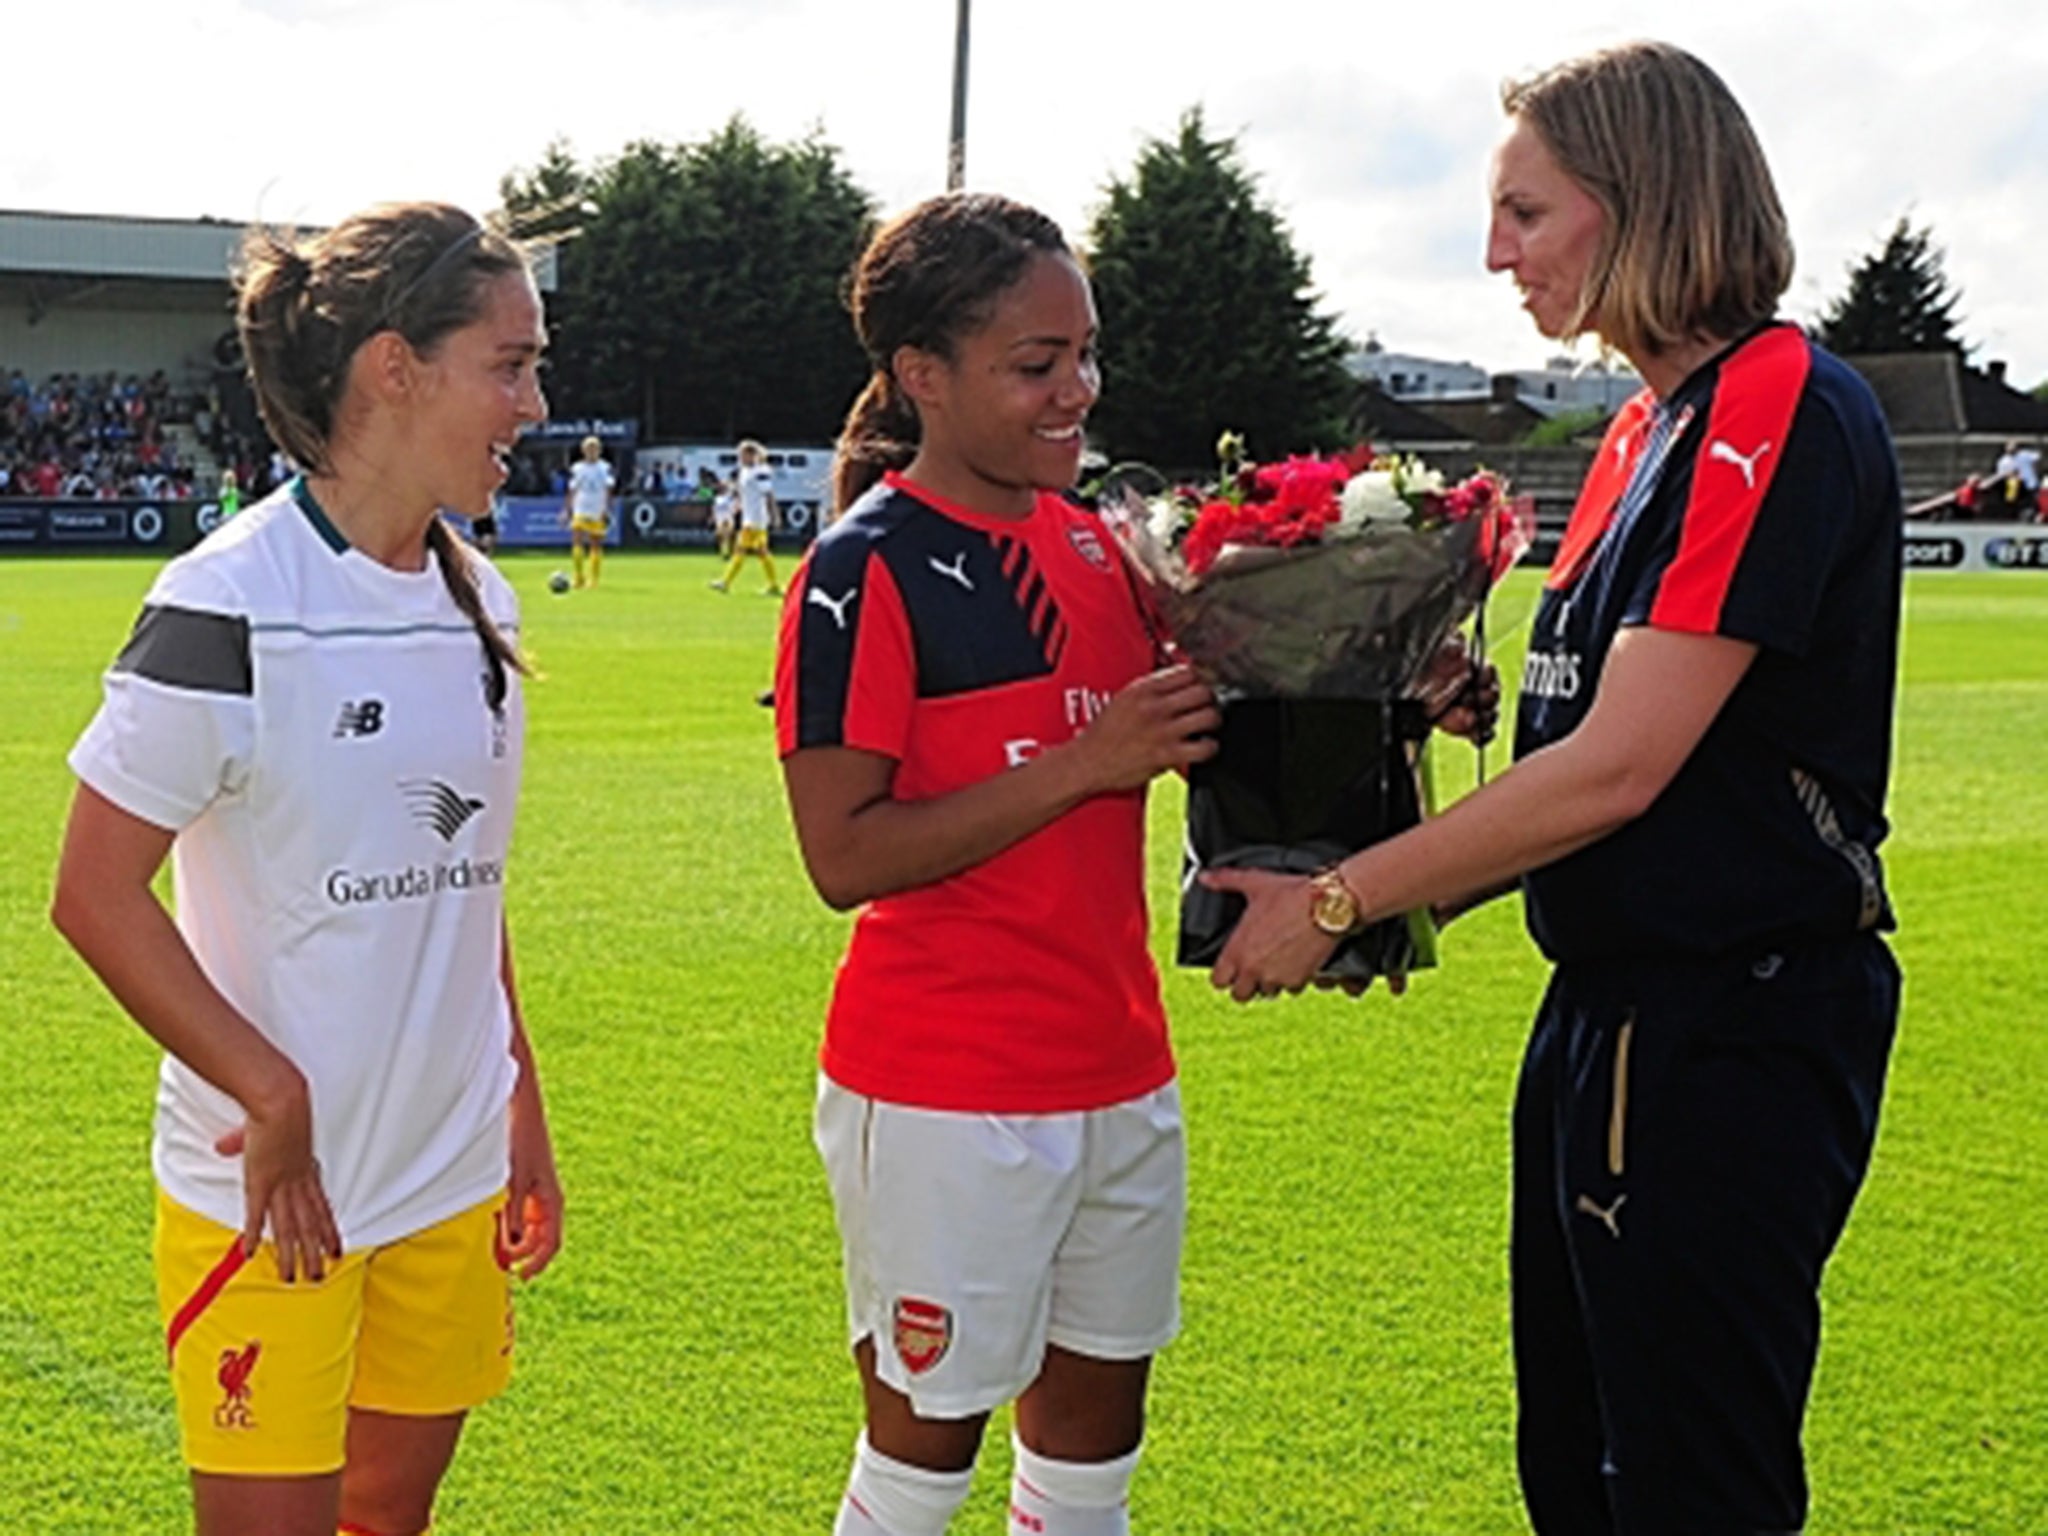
<point>1084,539</point>
<point>924,1331</point>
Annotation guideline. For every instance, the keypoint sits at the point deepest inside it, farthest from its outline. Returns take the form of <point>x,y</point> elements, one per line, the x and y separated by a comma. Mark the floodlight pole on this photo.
<point>956,146</point>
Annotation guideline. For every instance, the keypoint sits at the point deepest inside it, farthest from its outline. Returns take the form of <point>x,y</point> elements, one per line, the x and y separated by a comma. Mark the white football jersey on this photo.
<point>590,484</point>
<point>313,726</point>
<point>756,485</point>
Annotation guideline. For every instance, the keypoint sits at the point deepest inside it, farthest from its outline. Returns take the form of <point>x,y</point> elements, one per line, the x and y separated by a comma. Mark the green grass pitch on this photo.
<point>1344,1365</point>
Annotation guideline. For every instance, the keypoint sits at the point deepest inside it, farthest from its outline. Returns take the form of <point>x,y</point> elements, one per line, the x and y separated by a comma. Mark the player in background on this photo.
<point>318,718</point>
<point>753,485</point>
<point>968,713</point>
<point>725,510</point>
<point>1693,817</point>
<point>587,508</point>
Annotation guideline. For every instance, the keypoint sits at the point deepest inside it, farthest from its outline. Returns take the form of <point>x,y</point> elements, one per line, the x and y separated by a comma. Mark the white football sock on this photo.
<point>886,1497</point>
<point>1070,1498</point>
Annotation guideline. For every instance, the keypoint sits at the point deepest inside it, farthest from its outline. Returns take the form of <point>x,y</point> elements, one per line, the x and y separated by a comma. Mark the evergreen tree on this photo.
<point>1209,322</point>
<point>545,201</point>
<point>703,294</point>
<point>1898,300</point>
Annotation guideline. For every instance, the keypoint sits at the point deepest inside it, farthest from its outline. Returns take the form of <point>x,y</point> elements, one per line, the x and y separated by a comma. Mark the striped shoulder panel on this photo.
<point>191,649</point>
<point>1756,395</point>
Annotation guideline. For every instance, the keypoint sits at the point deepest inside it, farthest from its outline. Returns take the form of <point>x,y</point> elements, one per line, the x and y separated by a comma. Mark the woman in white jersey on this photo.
<point>318,719</point>
<point>753,485</point>
<point>587,507</point>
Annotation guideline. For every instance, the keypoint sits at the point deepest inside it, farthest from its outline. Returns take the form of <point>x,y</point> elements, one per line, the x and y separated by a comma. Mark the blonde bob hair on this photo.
<point>1694,245</point>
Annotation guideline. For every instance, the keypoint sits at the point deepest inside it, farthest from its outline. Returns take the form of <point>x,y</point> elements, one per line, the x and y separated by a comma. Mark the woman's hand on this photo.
<point>530,1226</point>
<point>1460,692</point>
<point>281,1185</point>
<point>1274,948</point>
<point>1157,722</point>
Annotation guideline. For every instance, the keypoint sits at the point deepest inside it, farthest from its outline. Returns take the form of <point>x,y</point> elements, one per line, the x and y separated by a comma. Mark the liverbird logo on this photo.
<point>836,606</point>
<point>236,1367</point>
<point>1746,462</point>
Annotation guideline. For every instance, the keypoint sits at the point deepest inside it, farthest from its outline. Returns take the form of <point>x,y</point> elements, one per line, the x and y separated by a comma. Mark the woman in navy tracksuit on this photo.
<point>1694,816</point>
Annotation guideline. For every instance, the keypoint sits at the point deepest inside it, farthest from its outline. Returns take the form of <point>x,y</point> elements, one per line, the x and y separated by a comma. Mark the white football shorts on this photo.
<point>974,1240</point>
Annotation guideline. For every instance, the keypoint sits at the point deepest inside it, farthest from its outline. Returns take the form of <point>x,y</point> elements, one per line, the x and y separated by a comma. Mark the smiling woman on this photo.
<point>968,717</point>
<point>351,1149</point>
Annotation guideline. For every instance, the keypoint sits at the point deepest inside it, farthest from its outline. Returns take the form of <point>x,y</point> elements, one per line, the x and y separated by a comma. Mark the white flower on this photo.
<point>1371,497</point>
<point>1164,516</point>
<point>1415,479</point>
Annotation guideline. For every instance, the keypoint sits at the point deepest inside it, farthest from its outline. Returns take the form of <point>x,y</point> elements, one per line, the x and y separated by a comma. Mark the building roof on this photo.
<point>104,246</point>
<point>1927,394</point>
<point>109,248</point>
<point>1491,421</point>
<point>1379,416</point>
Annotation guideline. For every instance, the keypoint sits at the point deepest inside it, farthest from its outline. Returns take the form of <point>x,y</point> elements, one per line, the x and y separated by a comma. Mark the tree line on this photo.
<point>700,288</point>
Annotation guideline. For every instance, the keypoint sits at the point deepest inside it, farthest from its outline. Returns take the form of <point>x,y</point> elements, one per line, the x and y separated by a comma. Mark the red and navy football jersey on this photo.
<point>1760,501</point>
<point>960,646</point>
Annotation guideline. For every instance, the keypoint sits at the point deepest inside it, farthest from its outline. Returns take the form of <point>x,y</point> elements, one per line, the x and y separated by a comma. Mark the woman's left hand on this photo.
<point>1274,948</point>
<point>530,1225</point>
<point>1461,692</point>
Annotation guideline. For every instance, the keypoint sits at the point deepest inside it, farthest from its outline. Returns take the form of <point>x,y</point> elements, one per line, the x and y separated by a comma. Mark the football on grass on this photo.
<point>558,582</point>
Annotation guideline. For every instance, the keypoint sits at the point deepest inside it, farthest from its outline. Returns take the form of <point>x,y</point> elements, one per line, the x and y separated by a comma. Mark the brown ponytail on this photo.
<point>458,574</point>
<point>881,434</point>
<point>928,278</point>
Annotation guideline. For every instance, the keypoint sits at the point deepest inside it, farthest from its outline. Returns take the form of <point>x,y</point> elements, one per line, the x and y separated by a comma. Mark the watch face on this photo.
<point>1333,911</point>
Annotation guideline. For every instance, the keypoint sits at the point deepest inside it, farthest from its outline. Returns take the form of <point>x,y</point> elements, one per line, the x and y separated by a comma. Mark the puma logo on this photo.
<point>836,606</point>
<point>957,571</point>
<point>1719,449</point>
<point>1610,1217</point>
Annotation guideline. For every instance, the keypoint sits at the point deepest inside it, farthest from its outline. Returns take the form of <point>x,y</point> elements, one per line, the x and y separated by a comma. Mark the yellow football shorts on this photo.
<point>594,526</point>
<point>753,541</point>
<point>266,1372</point>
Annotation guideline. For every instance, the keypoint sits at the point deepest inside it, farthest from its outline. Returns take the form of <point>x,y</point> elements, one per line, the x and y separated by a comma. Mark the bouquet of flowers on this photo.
<point>1315,593</point>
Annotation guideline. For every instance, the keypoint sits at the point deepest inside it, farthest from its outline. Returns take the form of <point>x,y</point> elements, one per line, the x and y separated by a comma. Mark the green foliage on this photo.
<point>1565,427</point>
<point>1898,300</point>
<point>1344,1366</point>
<point>1209,320</point>
<point>546,201</point>
<point>703,295</point>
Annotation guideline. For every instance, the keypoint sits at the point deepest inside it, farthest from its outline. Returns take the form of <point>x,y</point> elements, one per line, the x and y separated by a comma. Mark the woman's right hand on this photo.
<point>1155,723</point>
<point>281,1185</point>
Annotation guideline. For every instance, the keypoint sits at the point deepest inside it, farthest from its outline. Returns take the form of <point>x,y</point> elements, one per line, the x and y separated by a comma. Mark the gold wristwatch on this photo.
<point>1332,907</point>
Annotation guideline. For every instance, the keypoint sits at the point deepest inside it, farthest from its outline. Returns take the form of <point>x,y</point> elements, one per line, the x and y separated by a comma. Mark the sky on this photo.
<point>1367,126</point>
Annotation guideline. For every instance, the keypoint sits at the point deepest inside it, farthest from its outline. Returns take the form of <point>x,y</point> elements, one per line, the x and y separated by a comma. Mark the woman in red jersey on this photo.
<point>968,710</point>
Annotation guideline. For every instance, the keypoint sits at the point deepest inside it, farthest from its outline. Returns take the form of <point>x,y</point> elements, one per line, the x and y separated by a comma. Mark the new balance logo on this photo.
<point>439,808</point>
<point>1746,462</point>
<point>360,719</point>
<point>836,606</point>
<point>957,571</point>
<point>1608,1216</point>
